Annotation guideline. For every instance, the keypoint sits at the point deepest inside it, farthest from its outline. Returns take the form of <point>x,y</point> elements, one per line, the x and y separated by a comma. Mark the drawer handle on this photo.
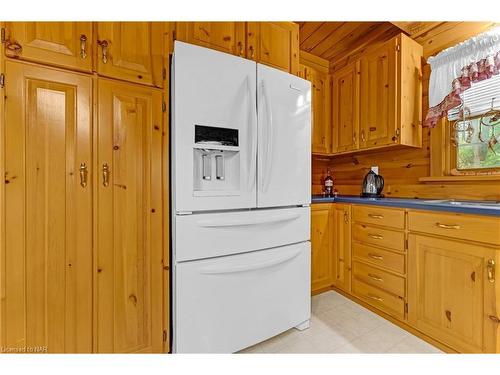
<point>376,256</point>
<point>375,236</point>
<point>375,277</point>
<point>374,216</point>
<point>448,226</point>
<point>491,270</point>
<point>376,298</point>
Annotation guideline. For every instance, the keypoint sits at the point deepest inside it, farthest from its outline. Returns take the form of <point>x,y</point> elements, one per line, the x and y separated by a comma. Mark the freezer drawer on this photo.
<point>225,304</point>
<point>201,236</point>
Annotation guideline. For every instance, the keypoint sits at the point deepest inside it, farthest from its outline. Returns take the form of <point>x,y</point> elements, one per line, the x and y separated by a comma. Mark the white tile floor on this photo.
<point>339,325</point>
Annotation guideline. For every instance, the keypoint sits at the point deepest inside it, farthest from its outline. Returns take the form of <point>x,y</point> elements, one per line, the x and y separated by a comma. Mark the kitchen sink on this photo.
<point>495,204</point>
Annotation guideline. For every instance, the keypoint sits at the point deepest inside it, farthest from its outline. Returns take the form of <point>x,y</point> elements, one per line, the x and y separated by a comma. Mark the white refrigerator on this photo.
<point>241,190</point>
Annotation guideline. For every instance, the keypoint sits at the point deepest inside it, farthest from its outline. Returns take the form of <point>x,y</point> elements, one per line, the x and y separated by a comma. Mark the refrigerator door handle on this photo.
<point>269,125</point>
<point>252,136</point>
<point>249,267</point>
<point>215,223</point>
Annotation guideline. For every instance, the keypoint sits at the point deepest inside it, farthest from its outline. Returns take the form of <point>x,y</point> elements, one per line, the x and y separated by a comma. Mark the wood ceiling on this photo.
<point>339,41</point>
<point>334,40</point>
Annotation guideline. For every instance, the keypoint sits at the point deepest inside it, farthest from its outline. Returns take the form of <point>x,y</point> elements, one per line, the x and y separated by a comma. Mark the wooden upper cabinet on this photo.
<point>275,44</point>
<point>387,95</point>
<point>62,44</point>
<point>47,275</point>
<point>321,126</point>
<point>342,246</point>
<point>378,96</point>
<point>131,51</point>
<point>129,292</point>
<point>345,103</point>
<point>226,37</point>
<point>321,247</point>
<point>452,293</point>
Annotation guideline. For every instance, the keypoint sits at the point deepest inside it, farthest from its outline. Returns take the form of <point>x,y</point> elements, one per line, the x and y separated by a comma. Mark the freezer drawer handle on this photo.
<point>249,267</point>
<point>244,223</point>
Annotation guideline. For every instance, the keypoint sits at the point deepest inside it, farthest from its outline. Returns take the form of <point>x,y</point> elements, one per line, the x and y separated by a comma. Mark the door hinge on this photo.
<point>164,73</point>
<point>163,107</point>
<point>398,47</point>
<point>406,308</point>
<point>406,244</point>
<point>174,35</point>
<point>164,335</point>
<point>2,36</point>
<point>2,80</point>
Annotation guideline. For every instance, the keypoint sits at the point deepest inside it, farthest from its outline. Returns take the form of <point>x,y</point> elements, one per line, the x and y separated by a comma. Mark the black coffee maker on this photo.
<point>373,184</point>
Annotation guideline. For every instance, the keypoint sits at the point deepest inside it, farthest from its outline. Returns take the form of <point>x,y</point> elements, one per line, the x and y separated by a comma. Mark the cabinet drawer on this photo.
<point>389,303</point>
<point>379,216</point>
<point>379,237</point>
<point>380,257</point>
<point>381,279</point>
<point>474,228</point>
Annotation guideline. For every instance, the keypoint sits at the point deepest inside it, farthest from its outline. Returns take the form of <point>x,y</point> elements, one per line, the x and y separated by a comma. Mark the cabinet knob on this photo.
<point>83,46</point>
<point>491,270</point>
<point>104,47</point>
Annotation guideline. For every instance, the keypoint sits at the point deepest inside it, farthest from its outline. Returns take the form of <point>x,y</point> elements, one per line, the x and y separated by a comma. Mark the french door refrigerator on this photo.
<point>241,180</point>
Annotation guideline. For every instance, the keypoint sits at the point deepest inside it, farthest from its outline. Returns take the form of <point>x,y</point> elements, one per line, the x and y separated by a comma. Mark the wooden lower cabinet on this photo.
<point>46,274</point>
<point>129,219</point>
<point>321,247</point>
<point>342,246</point>
<point>453,294</point>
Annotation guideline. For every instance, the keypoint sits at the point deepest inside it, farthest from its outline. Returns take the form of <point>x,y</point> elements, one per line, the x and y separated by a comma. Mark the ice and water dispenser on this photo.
<point>216,161</point>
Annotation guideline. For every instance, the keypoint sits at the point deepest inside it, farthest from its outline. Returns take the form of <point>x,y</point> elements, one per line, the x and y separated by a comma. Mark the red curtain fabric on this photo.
<point>474,72</point>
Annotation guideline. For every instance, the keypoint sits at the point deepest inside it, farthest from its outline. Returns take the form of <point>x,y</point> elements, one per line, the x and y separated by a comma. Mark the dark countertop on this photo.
<point>491,208</point>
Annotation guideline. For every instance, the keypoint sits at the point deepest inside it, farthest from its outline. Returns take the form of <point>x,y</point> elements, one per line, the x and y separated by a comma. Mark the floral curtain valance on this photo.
<point>455,69</point>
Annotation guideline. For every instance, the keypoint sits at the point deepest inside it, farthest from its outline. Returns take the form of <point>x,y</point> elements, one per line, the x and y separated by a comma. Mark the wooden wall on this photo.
<point>401,169</point>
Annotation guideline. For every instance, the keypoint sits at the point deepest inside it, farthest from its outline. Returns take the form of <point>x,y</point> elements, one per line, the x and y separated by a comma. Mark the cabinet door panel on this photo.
<point>275,44</point>
<point>321,134</point>
<point>65,44</point>
<point>47,280</point>
<point>131,51</point>
<point>321,247</point>
<point>129,219</point>
<point>378,96</point>
<point>342,246</point>
<point>450,297</point>
<point>227,37</point>
<point>346,109</point>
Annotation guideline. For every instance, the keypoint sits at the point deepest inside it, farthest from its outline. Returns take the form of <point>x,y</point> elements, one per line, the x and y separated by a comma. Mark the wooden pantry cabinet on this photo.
<point>82,264</point>
<point>342,246</point>
<point>63,44</point>
<point>47,268</point>
<point>377,99</point>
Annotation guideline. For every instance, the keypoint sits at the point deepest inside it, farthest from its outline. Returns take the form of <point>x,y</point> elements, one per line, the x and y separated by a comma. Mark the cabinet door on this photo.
<point>451,293</point>
<point>129,219</point>
<point>65,44</point>
<point>46,299</point>
<point>131,51</point>
<point>321,134</point>
<point>345,107</point>
<point>275,44</point>
<point>378,96</point>
<point>321,247</point>
<point>227,37</point>
<point>342,246</point>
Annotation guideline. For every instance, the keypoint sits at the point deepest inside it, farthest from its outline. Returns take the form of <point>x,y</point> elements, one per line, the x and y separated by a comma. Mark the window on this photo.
<point>475,127</point>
